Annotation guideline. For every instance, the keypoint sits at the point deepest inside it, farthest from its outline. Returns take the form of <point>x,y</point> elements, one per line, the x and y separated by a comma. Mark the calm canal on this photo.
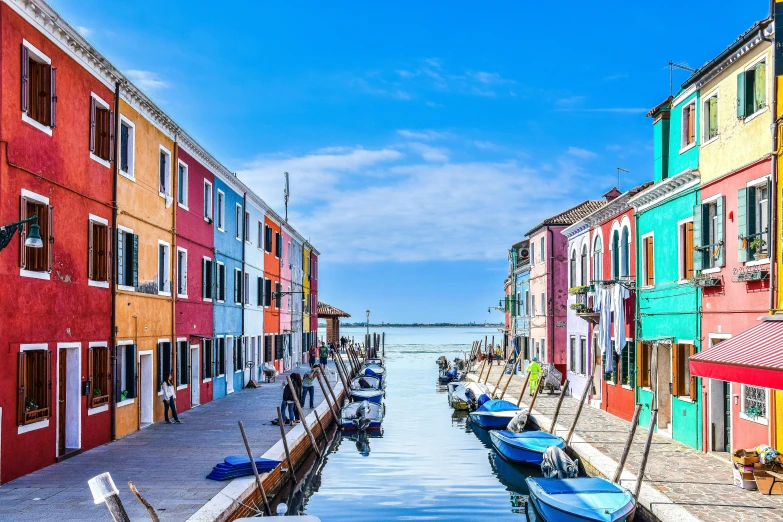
<point>429,463</point>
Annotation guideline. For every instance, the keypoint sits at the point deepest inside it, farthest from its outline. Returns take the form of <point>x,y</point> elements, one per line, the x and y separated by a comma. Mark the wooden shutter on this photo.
<point>109,255</point>
<point>178,356</point>
<point>48,241</point>
<point>692,124</point>
<point>698,240</point>
<point>694,390</point>
<point>22,387</point>
<point>135,260</point>
<point>768,237</point>
<point>689,260</point>
<point>676,362</point>
<point>22,233</point>
<point>203,277</point>
<point>742,224</point>
<point>48,383</point>
<point>130,371</point>
<point>118,374</point>
<point>160,366</point>
<point>649,262</point>
<point>53,97</point>
<point>721,233</point>
<point>112,146</point>
<point>90,377</point>
<point>25,85</point>
<point>90,248</point>
<point>92,124</point>
<point>741,95</point>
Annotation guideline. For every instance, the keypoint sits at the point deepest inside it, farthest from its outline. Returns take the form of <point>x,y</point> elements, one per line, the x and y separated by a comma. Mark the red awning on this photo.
<point>753,357</point>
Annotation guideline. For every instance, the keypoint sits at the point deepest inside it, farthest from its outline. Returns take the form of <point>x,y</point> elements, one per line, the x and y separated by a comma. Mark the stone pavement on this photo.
<point>168,463</point>
<point>696,482</point>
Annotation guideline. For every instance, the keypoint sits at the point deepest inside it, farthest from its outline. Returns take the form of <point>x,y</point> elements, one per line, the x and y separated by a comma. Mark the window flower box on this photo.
<point>31,416</point>
<point>99,401</point>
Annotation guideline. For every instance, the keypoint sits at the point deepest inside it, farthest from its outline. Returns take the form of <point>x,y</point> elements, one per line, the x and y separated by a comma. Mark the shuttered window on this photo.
<point>208,201</point>
<point>572,269</point>
<point>583,355</point>
<point>183,370</point>
<point>220,356</point>
<point>710,118</point>
<point>182,273</point>
<point>648,266</point>
<point>752,90</point>
<point>127,259</point>
<point>207,283</point>
<point>683,383</point>
<point>686,250</point>
<point>101,129</point>
<point>221,210</point>
<point>627,366</point>
<point>34,401</point>
<point>615,254</point>
<point>38,87</point>
<point>239,221</point>
<point>208,351</point>
<point>278,245</point>
<point>98,255</point>
<point>98,374</point>
<point>585,269</point>
<point>572,355</point>
<point>126,147</point>
<point>268,353</point>
<point>221,282</point>
<point>182,184</point>
<point>688,125</point>
<point>238,285</point>
<point>36,259</point>
<point>260,291</point>
<point>125,382</point>
<point>239,354</point>
<point>164,172</point>
<point>643,356</point>
<point>268,292</point>
<point>278,290</point>
<point>165,362</point>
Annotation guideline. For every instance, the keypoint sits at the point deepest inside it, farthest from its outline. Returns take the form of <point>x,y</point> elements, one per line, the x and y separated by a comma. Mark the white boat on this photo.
<point>467,395</point>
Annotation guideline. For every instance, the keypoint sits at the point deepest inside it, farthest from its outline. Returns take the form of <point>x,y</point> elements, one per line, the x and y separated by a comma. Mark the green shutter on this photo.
<point>697,238</point>
<point>130,371</point>
<point>721,260</point>
<point>760,87</point>
<point>742,211</point>
<point>770,200</point>
<point>135,261</point>
<point>713,116</point>
<point>741,95</point>
<point>629,346</point>
<point>624,364</point>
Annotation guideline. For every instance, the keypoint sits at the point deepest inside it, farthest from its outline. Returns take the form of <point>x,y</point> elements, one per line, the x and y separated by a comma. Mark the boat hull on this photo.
<point>491,420</point>
<point>581,499</point>
<point>528,450</point>
<point>375,396</point>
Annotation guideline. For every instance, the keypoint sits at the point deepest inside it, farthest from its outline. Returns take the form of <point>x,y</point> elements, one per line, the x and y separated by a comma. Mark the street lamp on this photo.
<point>368,322</point>
<point>33,239</point>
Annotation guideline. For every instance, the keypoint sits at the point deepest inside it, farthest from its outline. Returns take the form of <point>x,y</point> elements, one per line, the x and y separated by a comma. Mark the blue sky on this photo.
<point>422,139</point>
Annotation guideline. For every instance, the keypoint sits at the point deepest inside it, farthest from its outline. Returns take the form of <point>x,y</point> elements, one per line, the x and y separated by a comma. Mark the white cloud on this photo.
<point>429,153</point>
<point>488,77</point>
<point>146,80</point>
<point>486,145</point>
<point>84,31</point>
<point>434,62</point>
<point>581,153</point>
<point>406,74</point>
<point>571,100</point>
<point>433,104</point>
<point>425,135</point>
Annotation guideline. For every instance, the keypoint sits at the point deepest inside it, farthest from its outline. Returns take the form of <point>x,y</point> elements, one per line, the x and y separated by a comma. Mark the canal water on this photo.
<point>429,463</point>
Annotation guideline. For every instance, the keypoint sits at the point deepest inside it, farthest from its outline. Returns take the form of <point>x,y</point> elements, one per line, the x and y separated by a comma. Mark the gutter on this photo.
<point>115,237</point>
<point>551,291</point>
<point>774,173</point>
<point>245,235</point>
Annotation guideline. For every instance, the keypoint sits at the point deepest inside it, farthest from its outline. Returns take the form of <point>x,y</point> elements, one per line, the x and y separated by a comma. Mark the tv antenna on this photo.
<point>286,193</point>
<point>620,169</point>
<point>672,66</point>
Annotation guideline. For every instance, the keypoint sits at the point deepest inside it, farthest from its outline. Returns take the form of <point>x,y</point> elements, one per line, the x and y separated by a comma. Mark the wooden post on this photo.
<point>489,370</point>
<point>383,345</point>
<point>336,358</point>
<point>285,446</point>
<point>491,350</point>
<point>501,376</point>
<point>627,448</point>
<point>349,373</point>
<point>647,442</point>
<point>511,376</point>
<point>581,404</point>
<point>485,344</point>
<point>116,508</point>
<point>535,394</point>
<point>481,370</point>
<point>301,415</point>
<point>522,391</point>
<point>103,490</point>
<point>323,430</point>
<point>253,465</point>
<point>334,396</point>
<point>559,404</point>
<point>150,510</point>
<point>326,393</point>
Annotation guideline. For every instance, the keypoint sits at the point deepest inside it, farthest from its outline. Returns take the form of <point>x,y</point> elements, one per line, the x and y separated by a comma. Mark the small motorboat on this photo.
<point>494,414</point>
<point>367,389</point>
<point>579,499</point>
<point>361,416</point>
<point>374,370</point>
<point>450,375</point>
<point>375,360</point>
<point>467,396</point>
<point>527,447</point>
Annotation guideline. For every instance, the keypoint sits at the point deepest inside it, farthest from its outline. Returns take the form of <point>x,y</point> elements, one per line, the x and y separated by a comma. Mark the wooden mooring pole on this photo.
<point>589,382</point>
<point>321,377</point>
<point>535,395</point>
<point>513,368</point>
<point>628,442</point>
<point>502,374</point>
<point>522,391</point>
<point>559,404</point>
<point>292,475</point>
<point>298,407</point>
<point>383,345</point>
<point>647,443</point>
<point>323,429</point>
<point>253,464</point>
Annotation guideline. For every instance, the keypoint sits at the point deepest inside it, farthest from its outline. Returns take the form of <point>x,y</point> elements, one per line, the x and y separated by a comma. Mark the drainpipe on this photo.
<point>774,174</point>
<point>113,336</point>
<point>551,290</point>
<point>174,257</point>
<point>244,297</point>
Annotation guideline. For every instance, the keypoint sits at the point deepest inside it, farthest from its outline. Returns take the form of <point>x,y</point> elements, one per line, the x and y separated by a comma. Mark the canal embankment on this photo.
<point>681,484</point>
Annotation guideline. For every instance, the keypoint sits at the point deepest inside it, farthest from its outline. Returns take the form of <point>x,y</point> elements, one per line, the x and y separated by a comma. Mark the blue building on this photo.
<point>520,316</point>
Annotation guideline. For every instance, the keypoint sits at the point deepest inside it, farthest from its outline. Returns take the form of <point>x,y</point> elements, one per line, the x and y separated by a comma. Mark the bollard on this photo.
<point>104,490</point>
<point>285,445</point>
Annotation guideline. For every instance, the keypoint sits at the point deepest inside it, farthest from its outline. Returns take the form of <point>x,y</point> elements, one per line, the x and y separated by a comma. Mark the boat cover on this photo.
<point>482,399</point>
<point>537,441</point>
<point>517,424</point>
<point>556,464</point>
<point>497,405</point>
<point>583,485</point>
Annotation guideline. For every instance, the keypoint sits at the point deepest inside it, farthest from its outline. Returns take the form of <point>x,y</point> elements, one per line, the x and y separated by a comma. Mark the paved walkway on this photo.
<point>698,486</point>
<point>167,463</point>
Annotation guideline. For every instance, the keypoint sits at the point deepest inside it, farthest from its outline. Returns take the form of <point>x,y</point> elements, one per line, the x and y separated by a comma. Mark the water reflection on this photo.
<point>362,440</point>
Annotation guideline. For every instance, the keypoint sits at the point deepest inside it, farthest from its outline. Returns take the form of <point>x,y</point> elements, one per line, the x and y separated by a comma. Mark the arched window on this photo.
<point>624,254</point>
<point>585,275</point>
<point>615,254</point>
<point>572,268</point>
<point>597,259</point>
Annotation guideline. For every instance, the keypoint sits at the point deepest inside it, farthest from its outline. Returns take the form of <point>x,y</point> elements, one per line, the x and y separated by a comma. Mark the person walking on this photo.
<point>312,356</point>
<point>287,407</point>
<point>169,399</point>
<point>324,354</point>
<point>534,369</point>
<point>307,385</point>
<point>498,353</point>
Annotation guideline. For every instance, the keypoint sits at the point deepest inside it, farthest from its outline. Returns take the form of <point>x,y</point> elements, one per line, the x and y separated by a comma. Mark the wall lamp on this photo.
<point>33,239</point>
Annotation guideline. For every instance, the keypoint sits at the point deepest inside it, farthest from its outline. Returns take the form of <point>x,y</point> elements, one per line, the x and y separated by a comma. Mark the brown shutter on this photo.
<point>649,266</point>
<point>25,78</point>
<point>48,391</point>
<point>692,125</point>
<point>112,146</point>
<point>676,362</point>
<point>53,97</point>
<point>22,233</point>
<point>640,363</point>
<point>92,124</point>
<point>90,376</point>
<point>49,240</point>
<point>22,382</point>
<point>689,252</point>
<point>109,253</point>
<point>694,391</point>
<point>90,249</point>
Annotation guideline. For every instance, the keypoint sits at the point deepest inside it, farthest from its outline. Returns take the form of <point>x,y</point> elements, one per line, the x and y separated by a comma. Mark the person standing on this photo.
<point>324,355</point>
<point>169,400</point>
<point>312,356</point>
<point>498,353</point>
<point>296,379</point>
<point>307,385</point>
<point>287,407</point>
<point>535,371</point>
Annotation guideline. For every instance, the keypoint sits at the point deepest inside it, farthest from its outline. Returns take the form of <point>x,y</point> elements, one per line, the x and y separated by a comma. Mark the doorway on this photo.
<point>663,391</point>
<point>598,373</point>
<point>69,417</point>
<point>230,364</point>
<point>195,376</point>
<point>720,415</point>
<point>146,389</point>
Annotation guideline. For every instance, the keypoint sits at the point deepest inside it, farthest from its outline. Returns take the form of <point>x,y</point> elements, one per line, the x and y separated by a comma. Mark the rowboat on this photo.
<point>361,416</point>
<point>526,447</point>
<point>580,499</point>
<point>366,389</point>
<point>494,414</point>
<point>467,396</point>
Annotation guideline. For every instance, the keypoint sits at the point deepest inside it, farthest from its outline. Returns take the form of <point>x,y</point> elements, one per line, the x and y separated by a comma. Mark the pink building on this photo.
<point>286,270</point>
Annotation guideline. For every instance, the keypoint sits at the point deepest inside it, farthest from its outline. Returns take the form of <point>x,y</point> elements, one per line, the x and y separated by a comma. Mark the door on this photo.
<point>663,387</point>
<point>146,390</point>
<point>62,380</point>
<point>229,365</point>
<point>727,417</point>
<point>195,375</point>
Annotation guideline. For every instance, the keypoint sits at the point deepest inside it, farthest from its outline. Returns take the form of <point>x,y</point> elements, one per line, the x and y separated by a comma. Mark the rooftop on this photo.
<point>572,215</point>
<point>325,310</point>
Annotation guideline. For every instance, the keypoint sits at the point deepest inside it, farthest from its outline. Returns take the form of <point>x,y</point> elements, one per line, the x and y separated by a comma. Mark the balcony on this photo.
<point>584,303</point>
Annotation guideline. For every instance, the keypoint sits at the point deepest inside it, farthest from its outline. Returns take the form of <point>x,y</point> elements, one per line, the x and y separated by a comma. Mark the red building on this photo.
<point>55,131</point>
<point>273,252</point>
<point>195,272</point>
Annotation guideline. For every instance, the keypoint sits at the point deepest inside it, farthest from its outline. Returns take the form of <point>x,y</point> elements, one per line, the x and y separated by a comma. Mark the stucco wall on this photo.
<point>254,311</point>
<point>578,328</point>
<point>680,159</point>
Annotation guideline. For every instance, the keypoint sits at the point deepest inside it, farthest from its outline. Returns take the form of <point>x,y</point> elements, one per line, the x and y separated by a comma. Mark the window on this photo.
<point>268,355</point>
<point>278,245</point>
<point>220,289</point>
<point>183,375</point>
<point>260,236</point>
<point>127,138</point>
<point>36,259</point>
<point>164,279</point>
<point>754,402</point>
<point>533,306</point>
<point>648,261</point>
<point>239,352</point>
<point>597,260</point>
<point>182,184</point>
<point>627,364</point>
<point>182,272</point>
<point>164,172</point>
<point>708,234</point>
<point>688,126</point>
<point>683,384</point>
<point>267,292</point>
<point>709,118</point>
<point>686,250</point>
<point>543,304</point>
<point>572,268</point>
<point>625,259</point>
<point>268,238</point>
<point>752,89</point>
<point>101,130</point>
<point>585,279</point>
<point>220,358</point>
<point>278,289</point>
<point>127,259</point>
<point>207,201</point>
<point>527,302</point>
<point>247,226</point>
<point>239,221</point>
<point>753,221</point>
<point>125,387</point>
<point>542,353</point>
<point>532,254</point>
<point>238,285</point>
<point>35,386</point>
<point>208,368</point>
<point>583,355</point>
<point>644,356</point>
<point>610,376</point>
<point>616,254</point>
<point>98,263</point>
<point>572,354</point>
<point>207,283</point>
<point>221,210</point>
<point>246,293</point>
<point>541,249</point>
<point>39,94</point>
<point>165,362</point>
<point>260,291</point>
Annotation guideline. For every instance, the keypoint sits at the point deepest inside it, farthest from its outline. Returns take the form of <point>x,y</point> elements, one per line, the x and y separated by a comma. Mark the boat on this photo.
<point>527,447</point>
<point>467,396</point>
<point>366,389</point>
<point>374,370</point>
<point>361,416</point>
<point>450,375</point>
<point>494,414</point>
<point>580,499</point>
<point>375,360</point>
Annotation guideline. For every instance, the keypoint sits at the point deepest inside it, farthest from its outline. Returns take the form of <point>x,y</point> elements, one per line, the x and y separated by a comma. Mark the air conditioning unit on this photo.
<point>524,252</point>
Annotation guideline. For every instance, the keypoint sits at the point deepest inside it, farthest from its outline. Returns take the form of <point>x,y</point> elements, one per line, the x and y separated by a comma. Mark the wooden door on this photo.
<point>62,398</point>
<point>727,417</point>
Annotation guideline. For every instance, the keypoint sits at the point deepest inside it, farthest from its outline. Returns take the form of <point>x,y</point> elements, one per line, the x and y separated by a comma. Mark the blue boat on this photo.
<point>580,499</point>
<point>368,394</point>
<point>494,414</point>
<point>361,416</point>
<point>527,447</point>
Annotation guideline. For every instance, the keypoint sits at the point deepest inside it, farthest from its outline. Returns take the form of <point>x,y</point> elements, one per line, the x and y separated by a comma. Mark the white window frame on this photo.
<point>754,184</point>
<point>121,369</point>
<point>705,121</point>
<point>260,235</point>
<point>239,218</point>
<point>100,103</point>
<point>708,201</point>
<point>214,290</point>
<point>131,174</point>
<point>246,289</point>
<point>242,279</point>
<point>209,211</point>
<point>643,260</point>
<point>681,279</point>
<point>247,227</point>
<point>184,204</point>
<point>184,251</point>
<point>105,222</point>
<point>752,65</point>
<point>43,200</point>
<point>542,246</point>
<point>168,271</point>
<point>40,57</point>
<point>597,264</point>
<point>683,146</point>
<point>124,230</point>
<point>220,212</point>
<point>543,304</point>
<point>758,420</point>
<point>217,275</point>
<point>168,184</point>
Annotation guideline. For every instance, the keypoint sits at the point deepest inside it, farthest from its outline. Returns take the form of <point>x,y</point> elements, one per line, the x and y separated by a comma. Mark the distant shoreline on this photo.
<point>416,325</point>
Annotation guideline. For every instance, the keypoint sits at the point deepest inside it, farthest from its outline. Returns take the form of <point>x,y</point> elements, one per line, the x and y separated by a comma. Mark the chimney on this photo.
<point>612,194</point>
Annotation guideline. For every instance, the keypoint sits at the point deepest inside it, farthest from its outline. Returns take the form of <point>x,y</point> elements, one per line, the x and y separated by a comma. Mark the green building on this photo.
<point>668,304</point>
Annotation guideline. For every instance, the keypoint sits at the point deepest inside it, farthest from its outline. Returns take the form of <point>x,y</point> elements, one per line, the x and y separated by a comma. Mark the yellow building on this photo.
<point>145,255</point>
<point>306,289</point>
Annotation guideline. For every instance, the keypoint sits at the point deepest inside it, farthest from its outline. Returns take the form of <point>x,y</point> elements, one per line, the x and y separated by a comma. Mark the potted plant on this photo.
<point>123,395</point>
<point>96,391</point>
<point>756,245</point>
<point>753,412</point>
<point>30,405</point>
